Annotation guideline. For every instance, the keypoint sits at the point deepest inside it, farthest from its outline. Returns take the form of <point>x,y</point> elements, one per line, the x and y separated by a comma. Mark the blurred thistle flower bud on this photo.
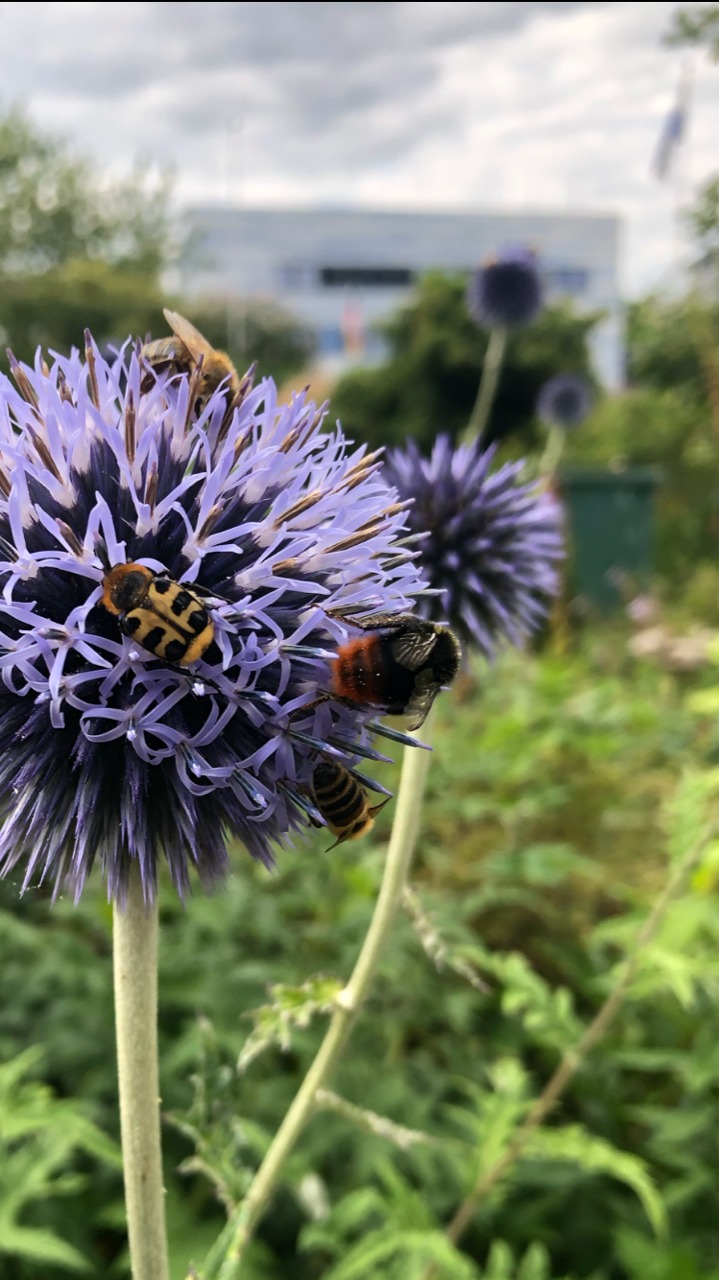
<point>564,401</point>
<point>488,545</point>
<point>506,292</point>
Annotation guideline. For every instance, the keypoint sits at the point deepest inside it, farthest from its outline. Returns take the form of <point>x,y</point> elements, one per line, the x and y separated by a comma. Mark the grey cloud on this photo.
<point>115,50</point>
<point>435,101</point>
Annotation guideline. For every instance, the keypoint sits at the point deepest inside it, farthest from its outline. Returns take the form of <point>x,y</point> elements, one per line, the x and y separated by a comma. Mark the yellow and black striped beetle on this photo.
<point>167,618</point>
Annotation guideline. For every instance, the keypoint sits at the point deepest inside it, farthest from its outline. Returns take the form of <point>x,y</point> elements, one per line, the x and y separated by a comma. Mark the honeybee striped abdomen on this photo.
<point>342,802</point>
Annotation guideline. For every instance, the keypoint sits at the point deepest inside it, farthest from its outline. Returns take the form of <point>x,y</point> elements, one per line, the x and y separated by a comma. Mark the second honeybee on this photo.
<point>181,351</point>
<point>342,801</point>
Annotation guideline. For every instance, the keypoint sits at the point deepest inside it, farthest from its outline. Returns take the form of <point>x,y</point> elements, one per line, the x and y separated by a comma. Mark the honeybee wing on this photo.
<point>165,351</point>
<point>192,339</point>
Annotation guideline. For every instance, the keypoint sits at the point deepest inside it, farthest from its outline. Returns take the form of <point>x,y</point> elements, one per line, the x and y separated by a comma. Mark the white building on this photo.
<point>339,270</point>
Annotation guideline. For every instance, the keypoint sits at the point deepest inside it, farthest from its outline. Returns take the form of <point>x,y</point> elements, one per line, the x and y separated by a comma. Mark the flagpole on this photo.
<point>679,170</point>
<point>669,163</point>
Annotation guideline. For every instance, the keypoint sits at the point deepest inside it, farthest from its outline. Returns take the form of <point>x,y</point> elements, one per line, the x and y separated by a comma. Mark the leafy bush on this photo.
<point>545,839</point>
<point>429,382</point>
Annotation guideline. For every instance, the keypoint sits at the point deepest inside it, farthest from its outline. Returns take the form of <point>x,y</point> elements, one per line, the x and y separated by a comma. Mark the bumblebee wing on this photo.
<point>413,649</point>
<point>372,621</point>
<point>423,695</point>
<point>196,344</point>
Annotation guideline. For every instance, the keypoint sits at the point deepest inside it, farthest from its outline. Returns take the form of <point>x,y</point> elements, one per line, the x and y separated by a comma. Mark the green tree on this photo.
<point>698,24</point>
<point>703,220</point>
<point>75,251</point>
<point>429,382</point>
<point>52,309</point>
<point>670,419</point>
<point>668,345</point>
<point>55,208</point>
<point>78,252</point>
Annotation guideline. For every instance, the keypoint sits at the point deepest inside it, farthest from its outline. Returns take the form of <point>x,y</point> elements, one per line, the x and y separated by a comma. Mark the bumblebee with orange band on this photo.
<point>165,617</point>
<point>398,664</point>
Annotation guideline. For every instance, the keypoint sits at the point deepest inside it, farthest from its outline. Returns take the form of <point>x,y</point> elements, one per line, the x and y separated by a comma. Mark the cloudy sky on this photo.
<point>549,106</point>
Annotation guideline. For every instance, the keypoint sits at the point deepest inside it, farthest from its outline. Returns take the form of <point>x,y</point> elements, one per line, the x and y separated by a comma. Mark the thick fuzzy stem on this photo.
<point>135,969</point>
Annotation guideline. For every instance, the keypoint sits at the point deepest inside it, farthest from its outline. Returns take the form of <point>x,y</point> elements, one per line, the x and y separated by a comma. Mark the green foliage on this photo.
<point>703,219</point>
<point>668,419</point>
<point>289,1007</point>
<point>697,24</point>
<point>79,252</point>
<point>52,309</point>
<point>54,208</point>
<point>670,346</point>
<point>429,383</point>
<point>388,1232</point>
<point>75,251</point>
<point>41,1138</point>
<point>553,802</point>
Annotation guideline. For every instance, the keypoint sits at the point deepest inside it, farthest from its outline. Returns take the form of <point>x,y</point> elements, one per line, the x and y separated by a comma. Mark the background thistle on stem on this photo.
<point>564,401</point>
<point>505,293</point>
<point>491,545</point>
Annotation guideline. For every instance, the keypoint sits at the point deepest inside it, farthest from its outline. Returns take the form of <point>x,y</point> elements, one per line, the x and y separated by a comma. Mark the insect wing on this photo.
<point>423,695</point>
<point>413,649</point>
<point>164,351</point>
<point>192,339</point>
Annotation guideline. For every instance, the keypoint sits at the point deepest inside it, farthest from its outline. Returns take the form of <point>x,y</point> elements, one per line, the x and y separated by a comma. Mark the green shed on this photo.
<point>610,516</point>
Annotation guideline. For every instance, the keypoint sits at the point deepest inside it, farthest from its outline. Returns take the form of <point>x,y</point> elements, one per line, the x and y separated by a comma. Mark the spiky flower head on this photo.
<point>506,292</point>
<point>108,754</point>
<point>564,401</point>
<point>492,544</point>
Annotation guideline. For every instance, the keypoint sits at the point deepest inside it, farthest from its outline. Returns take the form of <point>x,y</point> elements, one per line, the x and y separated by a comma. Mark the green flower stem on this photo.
<point>491,370</point>
<point>552,452</point>
<point>135,971</point>
<point>577,1055</point>
<point>233,1242</point>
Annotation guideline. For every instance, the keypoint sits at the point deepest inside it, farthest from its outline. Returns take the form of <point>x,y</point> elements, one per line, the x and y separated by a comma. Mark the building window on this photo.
<point>366,277</point>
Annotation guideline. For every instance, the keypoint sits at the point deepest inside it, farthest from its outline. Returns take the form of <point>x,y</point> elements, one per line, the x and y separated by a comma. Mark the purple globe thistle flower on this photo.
<point>491,545</point>
<point>109,754</point>
<point>564,401</point>
<point>506,292</point>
